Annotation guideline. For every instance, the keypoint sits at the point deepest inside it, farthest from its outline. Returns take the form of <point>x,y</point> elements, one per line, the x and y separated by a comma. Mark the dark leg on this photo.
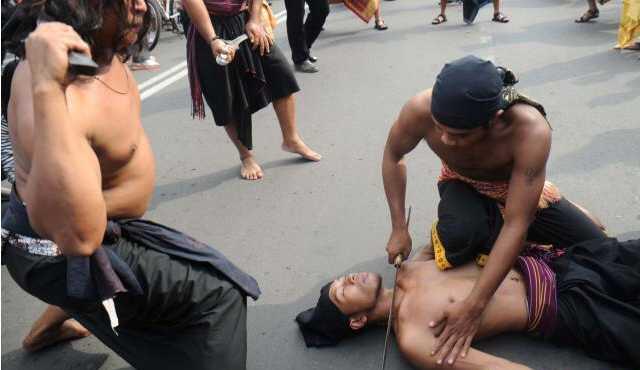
<point>564,224</point>
<point>296,30</point>
<point>468,224</point>
<point>318,12</point>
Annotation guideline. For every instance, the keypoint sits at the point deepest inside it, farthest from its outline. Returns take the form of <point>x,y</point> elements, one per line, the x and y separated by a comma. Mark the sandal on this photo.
<point>441,18</point>
<point>588,15</point>
<point>500,17</point>
<point>380,26</point>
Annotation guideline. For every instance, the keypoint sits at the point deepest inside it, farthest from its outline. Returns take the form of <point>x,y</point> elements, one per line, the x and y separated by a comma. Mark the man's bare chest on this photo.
<point>490,161</point>
<point>116,143</point>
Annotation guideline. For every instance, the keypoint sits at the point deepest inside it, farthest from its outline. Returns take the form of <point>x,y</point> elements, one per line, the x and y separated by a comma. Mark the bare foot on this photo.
<point>69,329</point>
<point>250,170</point>
<point>298,146</point>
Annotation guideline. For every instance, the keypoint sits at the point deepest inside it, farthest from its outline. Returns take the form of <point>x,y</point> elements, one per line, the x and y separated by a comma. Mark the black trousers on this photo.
<point>188,317</point>
<point>469,223</point>
<point>302,35</point>
<point>599,299</point>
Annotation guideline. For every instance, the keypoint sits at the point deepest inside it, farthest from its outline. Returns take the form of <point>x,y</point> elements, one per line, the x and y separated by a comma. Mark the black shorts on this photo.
<point>469,223</point>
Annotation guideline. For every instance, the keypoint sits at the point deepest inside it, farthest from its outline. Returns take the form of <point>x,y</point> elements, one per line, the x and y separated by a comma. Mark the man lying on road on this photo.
<point>587,295</point>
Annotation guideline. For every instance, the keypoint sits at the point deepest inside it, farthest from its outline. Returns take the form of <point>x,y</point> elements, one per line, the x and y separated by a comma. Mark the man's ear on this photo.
<point>497,117</point>
<point>358,322</point>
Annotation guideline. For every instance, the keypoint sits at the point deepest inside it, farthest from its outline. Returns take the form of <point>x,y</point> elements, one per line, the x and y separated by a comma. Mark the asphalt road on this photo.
<point>306,223</point>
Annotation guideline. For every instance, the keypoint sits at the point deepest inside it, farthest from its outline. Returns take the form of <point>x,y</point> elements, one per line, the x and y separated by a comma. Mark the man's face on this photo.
<point>457,137</point>
<point>135,11</point>
<point>355,292</point>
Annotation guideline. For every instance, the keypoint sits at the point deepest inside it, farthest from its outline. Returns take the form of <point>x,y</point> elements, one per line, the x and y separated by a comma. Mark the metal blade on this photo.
<point>237,41</point>
<point>397,262</point>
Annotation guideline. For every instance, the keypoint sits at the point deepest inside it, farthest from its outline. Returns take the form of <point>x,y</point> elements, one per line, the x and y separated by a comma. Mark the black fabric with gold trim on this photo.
<point>469,224</point>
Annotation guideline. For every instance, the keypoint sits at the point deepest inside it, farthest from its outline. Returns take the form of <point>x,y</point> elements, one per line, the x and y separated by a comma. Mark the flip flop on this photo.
<point>441,18</point>
<point>380,26</point>
<point>587,16</point>
<point>500,18</point>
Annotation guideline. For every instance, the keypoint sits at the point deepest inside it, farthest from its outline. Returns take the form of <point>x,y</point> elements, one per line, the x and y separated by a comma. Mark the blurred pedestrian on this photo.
<point>592,12</point>
<point>629,30</point>
<point>303,33</point>
<point>257,74</point>
<point>470,11</point>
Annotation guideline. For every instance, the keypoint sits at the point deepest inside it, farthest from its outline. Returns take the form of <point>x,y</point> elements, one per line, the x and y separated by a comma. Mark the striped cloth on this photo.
<point>542,304</point>
<point>8,167</point>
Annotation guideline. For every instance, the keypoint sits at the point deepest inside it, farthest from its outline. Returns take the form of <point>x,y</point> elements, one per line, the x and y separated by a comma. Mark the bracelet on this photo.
<point>214,38</point>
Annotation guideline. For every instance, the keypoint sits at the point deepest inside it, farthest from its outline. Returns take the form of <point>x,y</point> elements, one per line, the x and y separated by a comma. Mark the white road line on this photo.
<point>162,75</point>
<point>163,80</point>
<point>152,90</point>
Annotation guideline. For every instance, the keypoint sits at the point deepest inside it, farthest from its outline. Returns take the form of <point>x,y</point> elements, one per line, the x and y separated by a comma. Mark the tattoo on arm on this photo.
<point>531,174</point>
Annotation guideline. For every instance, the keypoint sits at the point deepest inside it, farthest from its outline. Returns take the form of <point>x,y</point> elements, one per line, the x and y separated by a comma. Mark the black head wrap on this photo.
<point>323,325</point>
<point>467,93</point>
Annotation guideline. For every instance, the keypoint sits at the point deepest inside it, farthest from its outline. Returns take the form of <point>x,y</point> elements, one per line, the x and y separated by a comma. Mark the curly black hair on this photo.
<point>85,16</point>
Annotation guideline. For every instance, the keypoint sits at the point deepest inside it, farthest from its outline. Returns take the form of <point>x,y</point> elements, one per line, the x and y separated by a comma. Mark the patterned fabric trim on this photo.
<point>481,259</point>
<point>438,249</point>
<point>8,167</point>
<point>542,305</point>
<point>499,190</point>
<point>40,247</point>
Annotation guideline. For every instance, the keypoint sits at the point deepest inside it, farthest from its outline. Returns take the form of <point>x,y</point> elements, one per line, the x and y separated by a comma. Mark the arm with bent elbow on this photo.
<point>64,188</point>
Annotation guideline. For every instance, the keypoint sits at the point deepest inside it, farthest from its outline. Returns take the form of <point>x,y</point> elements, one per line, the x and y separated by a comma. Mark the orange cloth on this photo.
<point>364,9</point>
<point>267,18</point>
<point>498,190</point>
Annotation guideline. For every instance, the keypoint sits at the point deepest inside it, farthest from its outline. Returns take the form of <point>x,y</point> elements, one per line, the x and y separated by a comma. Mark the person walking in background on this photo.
<point>470,11</point>
<point>592,12</point>
<point>256,75</point>
<point>302,34</point>
<point>629,30</point>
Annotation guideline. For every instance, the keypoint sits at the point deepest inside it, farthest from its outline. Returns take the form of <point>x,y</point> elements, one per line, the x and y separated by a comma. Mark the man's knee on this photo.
<point>458,240</point>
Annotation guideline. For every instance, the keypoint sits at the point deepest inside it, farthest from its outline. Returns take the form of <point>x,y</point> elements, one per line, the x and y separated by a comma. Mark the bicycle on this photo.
<point>164,14</point>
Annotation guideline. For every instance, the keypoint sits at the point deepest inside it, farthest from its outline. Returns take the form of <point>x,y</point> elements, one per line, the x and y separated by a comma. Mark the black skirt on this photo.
<point>247,84</point>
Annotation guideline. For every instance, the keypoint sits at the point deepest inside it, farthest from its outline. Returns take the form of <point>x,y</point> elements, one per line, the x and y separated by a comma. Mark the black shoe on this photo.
<point>312,59</point>
<point>306,67</point>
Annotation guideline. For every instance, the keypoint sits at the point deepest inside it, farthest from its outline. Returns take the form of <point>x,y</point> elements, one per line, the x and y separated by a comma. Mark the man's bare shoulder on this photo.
<point>415,116</point>
<point>419,106</point>
<point>528,122</point>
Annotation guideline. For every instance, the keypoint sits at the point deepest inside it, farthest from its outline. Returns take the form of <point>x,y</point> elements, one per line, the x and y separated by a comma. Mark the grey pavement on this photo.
<point>306,223</point>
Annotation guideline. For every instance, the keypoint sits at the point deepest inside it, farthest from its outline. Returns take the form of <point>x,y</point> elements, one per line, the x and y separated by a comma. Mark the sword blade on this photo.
<point>396,263</point>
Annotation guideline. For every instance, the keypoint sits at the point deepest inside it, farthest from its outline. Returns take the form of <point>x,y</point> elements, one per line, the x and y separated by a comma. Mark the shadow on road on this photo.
<point>184,188</point>
<point>62,356</point>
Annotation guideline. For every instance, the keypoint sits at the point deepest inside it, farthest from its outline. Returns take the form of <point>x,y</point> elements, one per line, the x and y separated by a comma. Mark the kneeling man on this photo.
<point>588,296</point>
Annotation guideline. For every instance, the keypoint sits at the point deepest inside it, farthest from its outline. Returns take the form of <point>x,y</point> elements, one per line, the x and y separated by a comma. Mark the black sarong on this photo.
<point>598,285</point>
<point>247,84</point>
<point>188,308</point>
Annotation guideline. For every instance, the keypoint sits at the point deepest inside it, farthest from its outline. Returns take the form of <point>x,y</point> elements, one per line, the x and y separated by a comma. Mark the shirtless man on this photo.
<point>597,315</point>
<point>83,166</point>
<point>494,144</point>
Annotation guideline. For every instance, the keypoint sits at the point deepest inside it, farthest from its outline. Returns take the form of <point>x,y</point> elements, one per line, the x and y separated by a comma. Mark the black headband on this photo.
<point>323,325</point>
<point>467,93</point>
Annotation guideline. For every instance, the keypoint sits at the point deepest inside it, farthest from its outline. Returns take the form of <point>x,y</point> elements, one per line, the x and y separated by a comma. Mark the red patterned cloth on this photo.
<point>498,190</point>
